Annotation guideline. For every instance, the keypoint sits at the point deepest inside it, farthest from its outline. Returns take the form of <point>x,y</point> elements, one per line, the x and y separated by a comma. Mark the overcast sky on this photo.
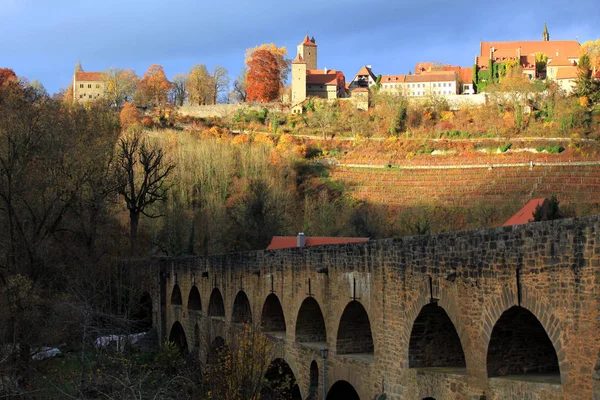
<point>44,39</point>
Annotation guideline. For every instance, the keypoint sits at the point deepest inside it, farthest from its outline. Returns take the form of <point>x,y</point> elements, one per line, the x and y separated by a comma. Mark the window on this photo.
<point>552,70</point>
<point>444,84</point>
<point>81,85</point>
<point>89,85</point>
<point>97,86</point>
<point>81,96</point>
<point>90,96</point>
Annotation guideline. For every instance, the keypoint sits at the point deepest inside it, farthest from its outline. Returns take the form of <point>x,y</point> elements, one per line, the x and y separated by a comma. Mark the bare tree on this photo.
<point>220,81</point>
<point>180,91</point>
<point>239,86</point>
<point>142,174</point>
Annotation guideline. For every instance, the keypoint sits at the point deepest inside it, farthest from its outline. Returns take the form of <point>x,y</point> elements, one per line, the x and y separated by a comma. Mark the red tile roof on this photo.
<point>466,75</point>
<point>393,78</point>
<point>319,77</point>
<point>308,42</point>
<point>569,48</point>
<point>299,60</point>
<point>423,66</point>
<point>89,76</point>
<point>525,214</point>
<point>285,242</point>
<point>560,61</point>
<point>431,77</point>
<point>566,73</point>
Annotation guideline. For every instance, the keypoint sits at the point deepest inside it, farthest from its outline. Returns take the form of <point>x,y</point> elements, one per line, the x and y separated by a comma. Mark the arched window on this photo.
<point>310,324</point>
<point>241,309</point>
<point>216,307</point>
<point>176,296</point>
<point>177,336</point>
<point>342,390</point>
<point>280,382</point>
<point>354,334</point>
<point>434,341</point>
<point>519,345</point>
<point>194,302</point>
<point>272,319</point>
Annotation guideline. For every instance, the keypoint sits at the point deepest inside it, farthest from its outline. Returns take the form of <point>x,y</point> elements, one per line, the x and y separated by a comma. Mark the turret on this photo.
<point>299,67</point>
<point>308,50</point>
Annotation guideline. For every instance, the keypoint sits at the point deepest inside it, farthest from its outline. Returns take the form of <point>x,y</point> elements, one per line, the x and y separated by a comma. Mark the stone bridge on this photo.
<point>505,313</point>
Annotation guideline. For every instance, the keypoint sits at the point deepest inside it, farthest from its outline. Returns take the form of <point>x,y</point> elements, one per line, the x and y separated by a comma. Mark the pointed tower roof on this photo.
<point>299,60</point>
<point>545,35</point>
<point>308,42</point>
<point>78,67</point>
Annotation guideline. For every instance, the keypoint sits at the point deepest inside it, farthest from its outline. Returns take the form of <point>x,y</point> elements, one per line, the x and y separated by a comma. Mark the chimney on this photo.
<point>492,52</point>
<point>369,66</point>
<point>519,53</point>
<point>325,70</point>
<point>556,52</point>
<point>301,240</point>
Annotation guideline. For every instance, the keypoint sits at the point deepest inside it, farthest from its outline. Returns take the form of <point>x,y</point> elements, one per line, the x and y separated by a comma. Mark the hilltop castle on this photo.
<point>309,81</point>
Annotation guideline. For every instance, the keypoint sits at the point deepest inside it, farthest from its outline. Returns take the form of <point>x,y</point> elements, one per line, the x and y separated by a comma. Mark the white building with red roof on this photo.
<point>87,86</point>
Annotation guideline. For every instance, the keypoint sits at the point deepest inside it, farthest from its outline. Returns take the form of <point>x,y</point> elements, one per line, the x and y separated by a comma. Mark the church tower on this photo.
<point>308,51</point>
<point>298,81</point>
<point>545,35</point>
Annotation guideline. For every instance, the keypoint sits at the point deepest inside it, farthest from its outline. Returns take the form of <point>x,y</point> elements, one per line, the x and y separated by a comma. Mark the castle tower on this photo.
<point>299,67</point>
<point>545,35</point>
<point>308,50</point>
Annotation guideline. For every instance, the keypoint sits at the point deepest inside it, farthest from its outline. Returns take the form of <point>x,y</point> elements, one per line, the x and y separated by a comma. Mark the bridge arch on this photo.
<point>178,337</point>
<point>354,334</point>
<point>272,318</point>
<point>541,311</point>
<point>520,345</point>
<point>194,302</point>
<point>176,299</point>
<point>216,306</point>
<point>434,341</point>
<point>242,312</point>
<point>447,302</point>
<point>310,324</point>
<point>281,382</point>
<point>342,390</point>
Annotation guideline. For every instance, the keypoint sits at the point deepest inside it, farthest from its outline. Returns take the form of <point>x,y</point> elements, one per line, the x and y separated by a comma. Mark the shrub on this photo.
<point>505,147</point>
<point>240,139</point>
<point>147,122</point>
<point>555,149</point>
<point>129,116</point>
<point>263,138</point>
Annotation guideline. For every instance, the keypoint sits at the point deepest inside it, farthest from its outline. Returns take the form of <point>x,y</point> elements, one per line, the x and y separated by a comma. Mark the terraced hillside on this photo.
<point>574,185</point>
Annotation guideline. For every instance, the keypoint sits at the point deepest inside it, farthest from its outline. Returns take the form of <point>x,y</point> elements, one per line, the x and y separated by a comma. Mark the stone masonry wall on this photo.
<point>550,269</point>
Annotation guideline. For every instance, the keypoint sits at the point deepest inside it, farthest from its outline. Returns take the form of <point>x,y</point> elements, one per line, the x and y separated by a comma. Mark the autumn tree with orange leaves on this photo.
<point>7,75</point>
<point>284,64</point>
<point>263,79</point>
<point>154,86</point>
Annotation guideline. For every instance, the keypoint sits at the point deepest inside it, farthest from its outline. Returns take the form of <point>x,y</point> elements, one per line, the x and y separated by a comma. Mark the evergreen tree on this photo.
<point>585,84</point>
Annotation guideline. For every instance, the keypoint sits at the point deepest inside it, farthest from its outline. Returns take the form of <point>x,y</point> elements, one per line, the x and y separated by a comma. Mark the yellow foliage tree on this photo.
<point>592,49</point>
